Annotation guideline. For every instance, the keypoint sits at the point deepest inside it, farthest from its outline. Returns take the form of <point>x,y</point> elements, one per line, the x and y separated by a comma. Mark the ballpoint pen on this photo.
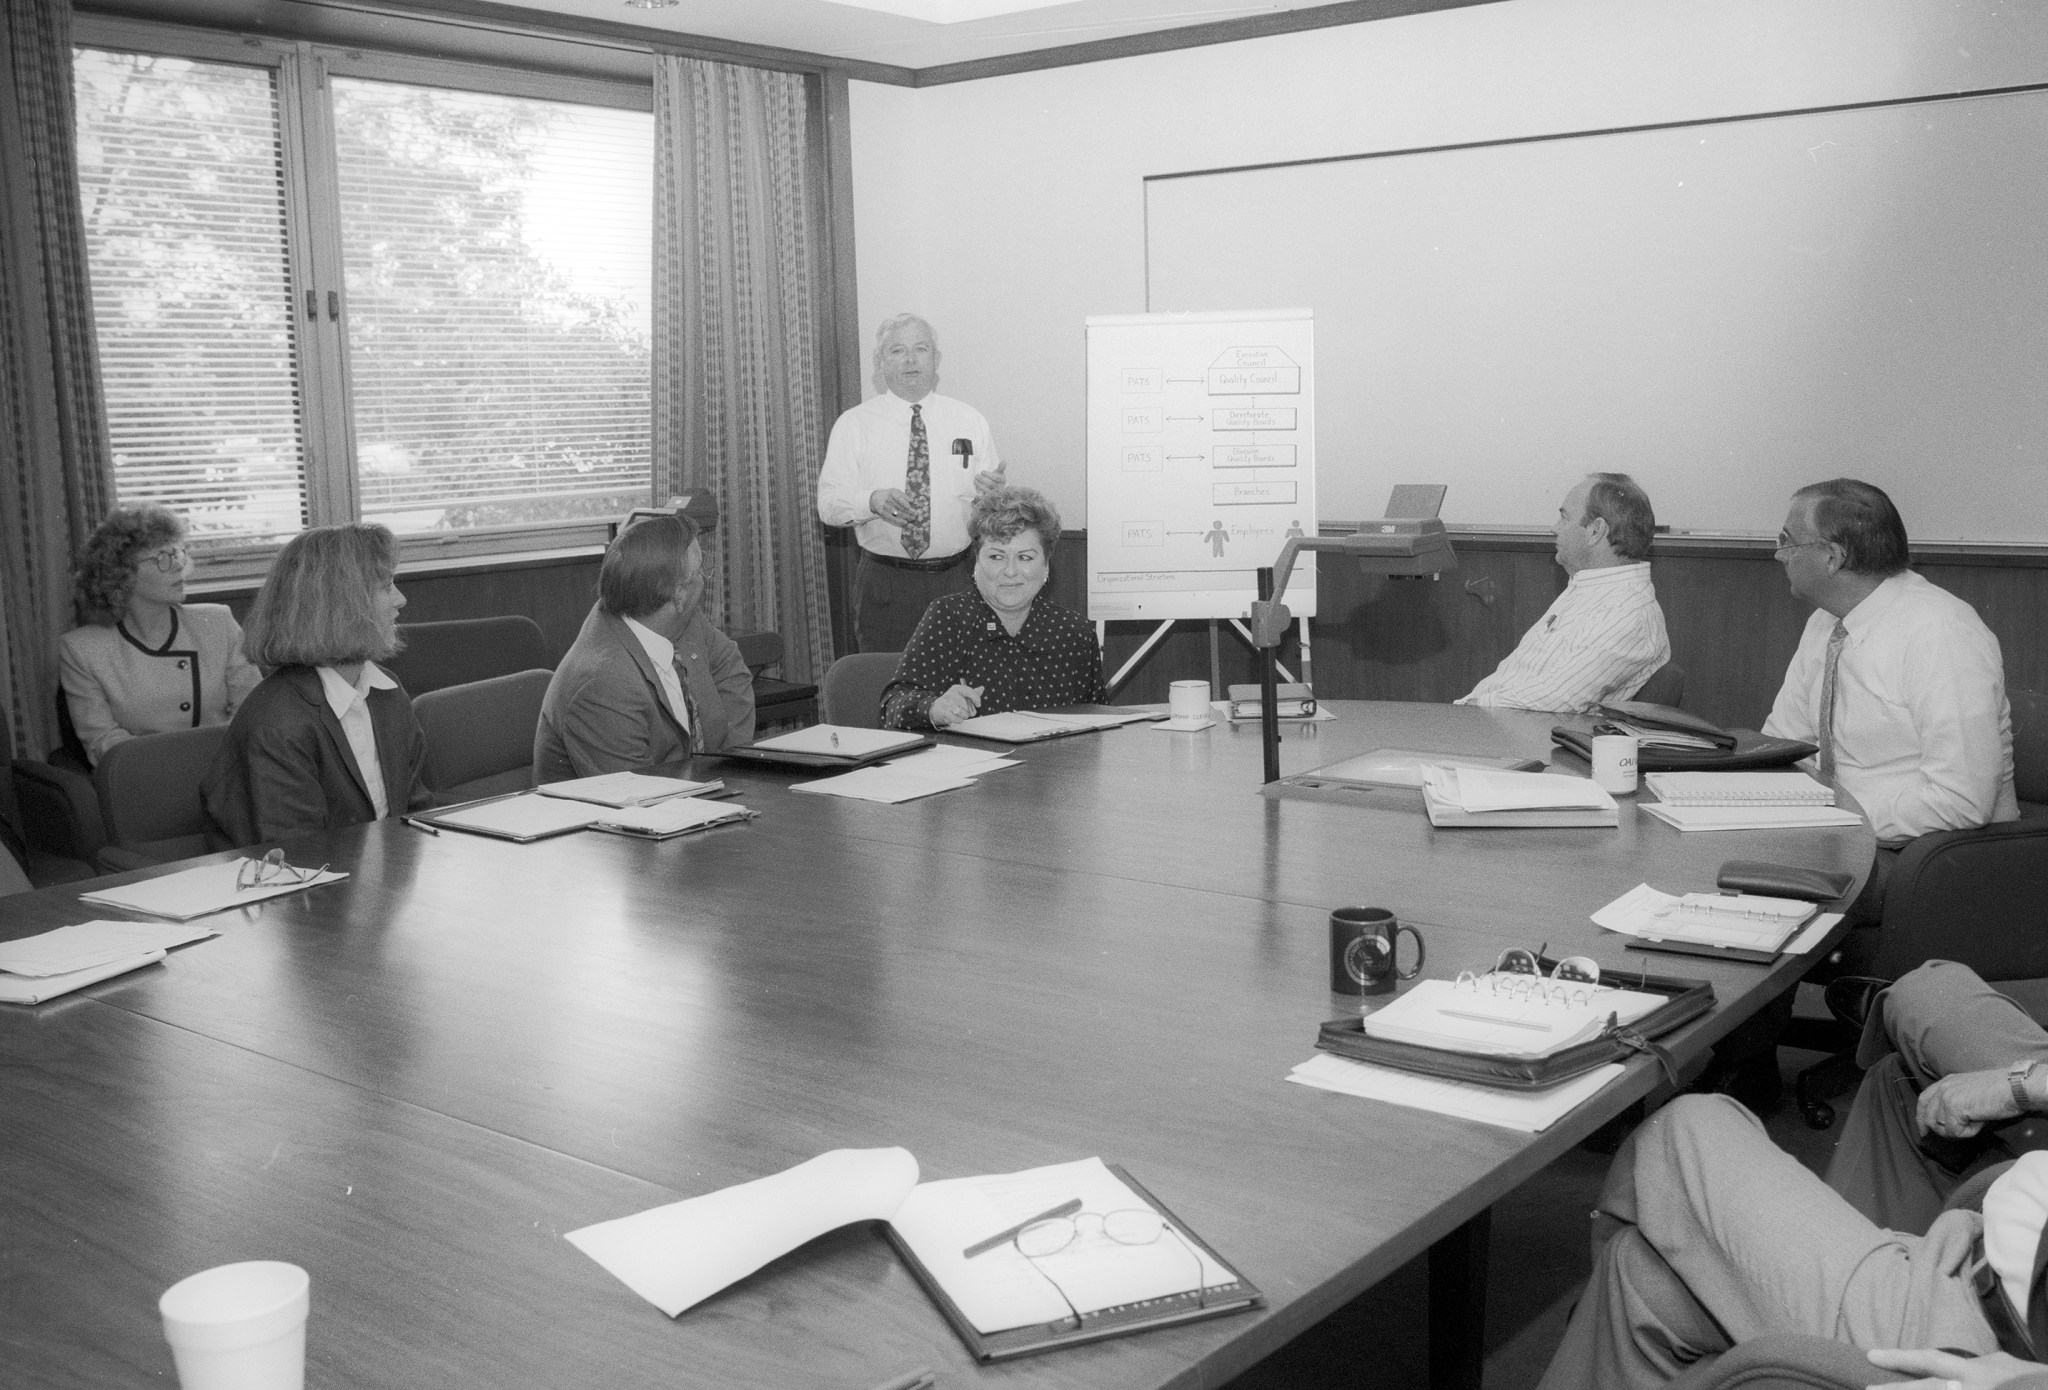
<point>421,825</point>
<point>982,1247</point>
<point>918,1379</point>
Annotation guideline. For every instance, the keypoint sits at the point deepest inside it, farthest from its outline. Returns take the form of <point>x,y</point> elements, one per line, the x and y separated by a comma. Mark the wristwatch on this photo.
<point>2016,1077</point>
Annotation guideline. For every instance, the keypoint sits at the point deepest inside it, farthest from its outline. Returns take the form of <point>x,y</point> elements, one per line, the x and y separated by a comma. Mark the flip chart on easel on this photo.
<point>1201,460</point>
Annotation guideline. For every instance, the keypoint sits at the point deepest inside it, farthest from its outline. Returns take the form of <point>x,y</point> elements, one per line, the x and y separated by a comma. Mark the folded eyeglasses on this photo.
<point>271,871</point>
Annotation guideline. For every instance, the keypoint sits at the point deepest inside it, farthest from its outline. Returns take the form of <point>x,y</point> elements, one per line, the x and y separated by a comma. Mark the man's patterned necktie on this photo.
<point>1827,700</point>
<point>917,481</point>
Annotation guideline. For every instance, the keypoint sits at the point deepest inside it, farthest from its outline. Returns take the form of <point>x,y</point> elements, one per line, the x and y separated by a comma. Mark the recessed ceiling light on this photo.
<point>652,4</point>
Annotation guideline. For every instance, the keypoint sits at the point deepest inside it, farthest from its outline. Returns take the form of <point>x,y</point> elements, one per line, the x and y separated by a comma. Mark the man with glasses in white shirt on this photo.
<point>1896,680</point>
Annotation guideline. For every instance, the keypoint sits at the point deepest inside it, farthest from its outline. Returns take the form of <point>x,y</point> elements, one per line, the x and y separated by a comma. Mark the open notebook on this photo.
<point>1504,1015</point>
<point>1002,1302</point>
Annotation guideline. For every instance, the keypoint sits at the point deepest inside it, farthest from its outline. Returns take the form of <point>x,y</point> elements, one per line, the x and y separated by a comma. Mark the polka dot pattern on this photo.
<point>1053,660</point>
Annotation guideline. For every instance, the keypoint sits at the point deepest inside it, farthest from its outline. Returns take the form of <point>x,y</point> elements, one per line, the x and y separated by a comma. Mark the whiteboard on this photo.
<point>1727,311</point>
<point>1201,460</point>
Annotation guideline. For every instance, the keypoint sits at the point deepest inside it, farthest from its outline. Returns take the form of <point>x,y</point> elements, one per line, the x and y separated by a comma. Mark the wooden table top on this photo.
<point>414,1081</point>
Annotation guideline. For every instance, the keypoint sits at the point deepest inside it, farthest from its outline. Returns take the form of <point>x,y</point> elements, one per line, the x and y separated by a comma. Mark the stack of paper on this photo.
<point>1528,1111</point>
<point>42,967</point>
<point>1739,789</point>
<point>1749,817</point>
<point>925,773</point>
<point>208,888</point>
<point>1476,796</point>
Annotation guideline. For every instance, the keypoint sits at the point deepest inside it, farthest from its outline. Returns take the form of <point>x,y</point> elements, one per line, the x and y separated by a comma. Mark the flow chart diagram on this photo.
<point>1201,460</point>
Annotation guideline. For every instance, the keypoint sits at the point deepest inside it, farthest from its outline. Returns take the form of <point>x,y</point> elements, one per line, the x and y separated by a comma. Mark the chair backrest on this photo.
<point>462,650</point>
<point>1666,686</point>
<point>2029,744</point>
<point>480,735</point>
<point>852,692</point>
<point>149,791</point>
<point>759,649</point>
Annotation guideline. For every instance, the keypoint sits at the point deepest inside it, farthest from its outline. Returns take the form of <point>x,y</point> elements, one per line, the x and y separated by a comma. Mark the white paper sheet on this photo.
<point>528,813</point>
<point>679,1255</point>
<point>1528,1111</point>
<point>953,761</point>
<point>197,892</point>
<point>673,817</point>
<point>1480,789</point>
<point>24,989</point>
<point>883,784</point>
<point>89,945</point>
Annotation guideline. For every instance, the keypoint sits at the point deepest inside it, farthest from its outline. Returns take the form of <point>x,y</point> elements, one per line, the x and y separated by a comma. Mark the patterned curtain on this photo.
<point>739,333</point>
<point>55,471</point>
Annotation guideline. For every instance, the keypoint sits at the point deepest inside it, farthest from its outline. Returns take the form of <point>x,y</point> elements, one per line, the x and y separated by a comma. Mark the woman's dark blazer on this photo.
<point>286,769</point>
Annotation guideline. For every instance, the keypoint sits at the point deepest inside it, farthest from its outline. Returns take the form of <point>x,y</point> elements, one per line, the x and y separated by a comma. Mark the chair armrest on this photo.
<point>60,810</point>
<point>113,859</point>
<point>1786,1361</point>
<point>1974,896</point>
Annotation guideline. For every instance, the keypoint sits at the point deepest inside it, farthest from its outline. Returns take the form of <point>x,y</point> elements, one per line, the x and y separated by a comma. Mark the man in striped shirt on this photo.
<point>1604,636</point>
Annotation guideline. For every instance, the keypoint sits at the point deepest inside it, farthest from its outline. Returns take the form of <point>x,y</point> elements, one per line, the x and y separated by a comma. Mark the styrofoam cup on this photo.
<point>239,1327</point>
<point>1188,699</point>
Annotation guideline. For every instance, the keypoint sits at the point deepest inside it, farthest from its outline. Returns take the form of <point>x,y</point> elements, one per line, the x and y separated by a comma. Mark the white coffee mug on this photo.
<point>1188,699</point>
<point>239,1327</point>
<point>1614,762</point>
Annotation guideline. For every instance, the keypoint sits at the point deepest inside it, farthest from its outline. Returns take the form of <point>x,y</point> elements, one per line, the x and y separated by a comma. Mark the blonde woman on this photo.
<point>329,739</point>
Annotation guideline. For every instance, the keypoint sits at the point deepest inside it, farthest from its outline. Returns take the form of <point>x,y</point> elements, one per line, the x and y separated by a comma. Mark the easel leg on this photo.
<point>1457,1305</point>
<point>1215,664</point>
<point>1307,676</point>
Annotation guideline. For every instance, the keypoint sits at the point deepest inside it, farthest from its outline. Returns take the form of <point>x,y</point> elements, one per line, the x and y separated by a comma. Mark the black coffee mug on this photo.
<point>1363,941</point>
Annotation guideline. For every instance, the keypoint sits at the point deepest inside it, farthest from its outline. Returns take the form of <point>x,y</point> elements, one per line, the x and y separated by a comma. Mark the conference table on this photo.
<point>414,1081</point>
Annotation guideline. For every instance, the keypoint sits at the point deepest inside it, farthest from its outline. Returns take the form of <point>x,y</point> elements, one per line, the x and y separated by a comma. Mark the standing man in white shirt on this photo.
<point>903,468</point>
<point>1604,635</point>
<point>1897,681</point>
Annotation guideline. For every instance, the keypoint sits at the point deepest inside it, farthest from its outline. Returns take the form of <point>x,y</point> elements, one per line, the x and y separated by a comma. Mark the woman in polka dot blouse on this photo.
<point>996,649</point>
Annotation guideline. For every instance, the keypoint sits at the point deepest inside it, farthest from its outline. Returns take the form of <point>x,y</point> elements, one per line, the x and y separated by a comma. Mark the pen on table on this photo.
<point>728,794</point>
<point>421,825</point>
<point>918,1379</point>
<point>982,1247</point>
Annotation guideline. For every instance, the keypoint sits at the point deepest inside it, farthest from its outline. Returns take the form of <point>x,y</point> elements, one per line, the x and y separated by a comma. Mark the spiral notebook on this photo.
<point>1739,789</point>
<point>1505,1015</point>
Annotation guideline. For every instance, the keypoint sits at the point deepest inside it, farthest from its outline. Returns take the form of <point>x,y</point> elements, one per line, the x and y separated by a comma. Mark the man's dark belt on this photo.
<point>1998,1310</point>
<point>897,562</point>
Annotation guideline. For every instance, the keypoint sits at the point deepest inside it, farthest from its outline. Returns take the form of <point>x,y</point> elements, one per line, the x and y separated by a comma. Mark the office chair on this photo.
<point>52,813</point>
<point>852,691</point>
<point>149,797</point>
<point>775,701</point>
<point>480,735</point>
<point>1666,686</point>
<point>462,650</point>
<point>1971,896</point>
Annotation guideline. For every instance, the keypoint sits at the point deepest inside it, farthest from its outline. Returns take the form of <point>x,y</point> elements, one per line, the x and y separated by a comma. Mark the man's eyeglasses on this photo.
<point>1786,543</point>
<point>1128,1226</point>
<point>1519,973</point>
<point>170,560</point>
<point>272,872</point>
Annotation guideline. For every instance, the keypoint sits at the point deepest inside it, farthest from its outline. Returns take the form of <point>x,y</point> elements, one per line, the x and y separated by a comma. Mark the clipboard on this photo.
<point>438,817</point>
<point>765,752</point>
<point>1214,1302</point>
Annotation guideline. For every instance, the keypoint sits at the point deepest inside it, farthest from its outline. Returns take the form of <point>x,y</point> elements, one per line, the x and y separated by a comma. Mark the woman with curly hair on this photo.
<point>145,661</point>
<point>329,739</point>
<point>1000,647</point>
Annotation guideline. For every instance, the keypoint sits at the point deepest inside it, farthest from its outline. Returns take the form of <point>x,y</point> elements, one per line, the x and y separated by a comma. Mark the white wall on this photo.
<point>1006,210</point>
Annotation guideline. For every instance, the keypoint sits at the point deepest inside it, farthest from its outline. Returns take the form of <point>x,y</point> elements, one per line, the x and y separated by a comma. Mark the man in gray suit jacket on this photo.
<point>648,679</point>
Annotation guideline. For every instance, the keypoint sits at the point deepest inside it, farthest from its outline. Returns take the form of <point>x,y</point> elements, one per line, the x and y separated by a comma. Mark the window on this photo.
<point>332,286</point>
